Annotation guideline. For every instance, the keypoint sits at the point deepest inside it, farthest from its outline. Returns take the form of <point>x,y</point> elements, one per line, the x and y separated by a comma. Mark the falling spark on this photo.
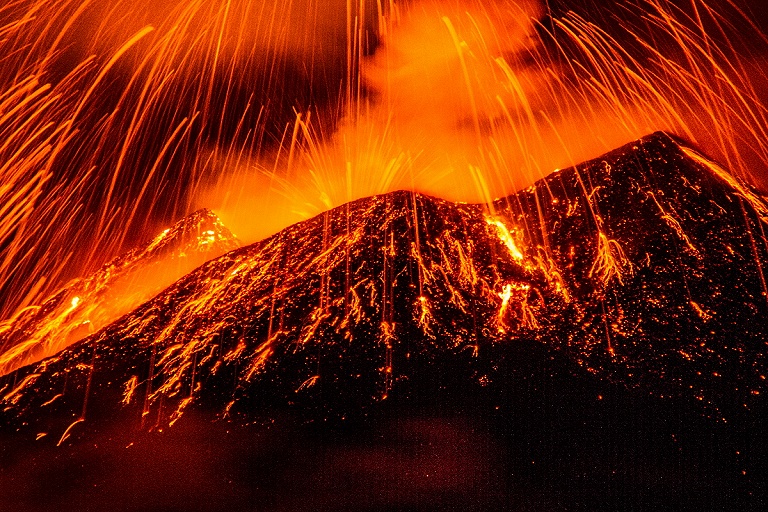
<point>535,97</point>
<point>116,119</point>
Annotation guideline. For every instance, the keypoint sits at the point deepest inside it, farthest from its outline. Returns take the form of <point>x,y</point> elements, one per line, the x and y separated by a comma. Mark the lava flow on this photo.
<point>85,306</point>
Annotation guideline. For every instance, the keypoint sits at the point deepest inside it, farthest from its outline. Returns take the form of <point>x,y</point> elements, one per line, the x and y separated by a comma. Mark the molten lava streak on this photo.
<point>322,140</point>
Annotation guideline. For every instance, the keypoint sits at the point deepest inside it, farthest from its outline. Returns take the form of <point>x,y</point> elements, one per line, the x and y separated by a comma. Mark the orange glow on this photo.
<point>468,100</point>
<point>116,289</point>
<point>130,388</point>
<point>66,433</point>
<point>471,105</point>
<point>505,296</point>
<point>506,238</point>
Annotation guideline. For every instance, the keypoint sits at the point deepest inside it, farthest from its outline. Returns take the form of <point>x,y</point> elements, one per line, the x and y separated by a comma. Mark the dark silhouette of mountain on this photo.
<point>595,342</point>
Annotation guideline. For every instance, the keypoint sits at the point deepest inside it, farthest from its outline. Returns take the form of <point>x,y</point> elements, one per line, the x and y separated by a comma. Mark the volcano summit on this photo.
<point>603,333</point>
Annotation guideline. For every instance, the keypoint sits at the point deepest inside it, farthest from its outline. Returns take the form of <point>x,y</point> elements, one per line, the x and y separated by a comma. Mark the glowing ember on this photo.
<point>445,273</point>
<point>118,287</point>
<point>122,116</point>
<point>395,297</point>
<point>507,238</point>
<point>620,291</point>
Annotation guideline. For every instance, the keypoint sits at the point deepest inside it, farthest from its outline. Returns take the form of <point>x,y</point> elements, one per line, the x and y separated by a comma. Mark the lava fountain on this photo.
<point>591,284</point>
<point>122,117</point>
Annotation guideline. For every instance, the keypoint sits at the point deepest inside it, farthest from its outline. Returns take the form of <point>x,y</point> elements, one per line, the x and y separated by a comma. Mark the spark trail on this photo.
<point>121,117</point>
<point>350,294</point>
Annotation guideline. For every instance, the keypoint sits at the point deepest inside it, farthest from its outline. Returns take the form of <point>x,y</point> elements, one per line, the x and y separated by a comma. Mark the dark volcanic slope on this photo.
<point>86,305</point>
<point>610,321</point>
<point>345,302</point>
<point>664,256</point>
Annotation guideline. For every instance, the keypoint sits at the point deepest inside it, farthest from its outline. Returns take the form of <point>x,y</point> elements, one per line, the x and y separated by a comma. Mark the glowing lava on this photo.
<point>85,306</point>
<point>383,282</point>
<point>119,117</point>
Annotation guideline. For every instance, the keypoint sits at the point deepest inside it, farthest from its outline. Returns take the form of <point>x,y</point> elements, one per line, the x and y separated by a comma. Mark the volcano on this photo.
<point>594,342</point>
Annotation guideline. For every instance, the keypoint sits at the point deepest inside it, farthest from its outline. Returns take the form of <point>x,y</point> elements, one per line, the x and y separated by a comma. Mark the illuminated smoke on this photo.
<point>107,109</point>
<point>472,101</point>
<point>120,117</point>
